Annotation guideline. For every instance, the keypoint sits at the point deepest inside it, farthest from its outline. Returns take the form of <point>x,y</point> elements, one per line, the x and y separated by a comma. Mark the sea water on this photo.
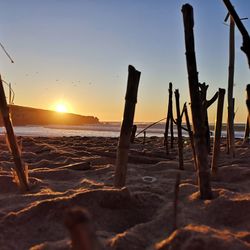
<point>106,129</point>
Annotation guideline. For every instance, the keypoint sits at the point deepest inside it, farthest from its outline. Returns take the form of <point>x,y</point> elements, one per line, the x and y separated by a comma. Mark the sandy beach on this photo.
<point>78,171</point>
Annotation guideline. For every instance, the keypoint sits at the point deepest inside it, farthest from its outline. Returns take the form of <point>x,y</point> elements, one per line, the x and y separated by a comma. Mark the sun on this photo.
<point>61,107</point>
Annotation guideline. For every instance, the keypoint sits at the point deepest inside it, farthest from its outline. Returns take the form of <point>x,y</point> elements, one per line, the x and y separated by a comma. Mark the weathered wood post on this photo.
<point>246,137</point>
<point>172,129</point>
<point>178,121</point>
<point>126,128</point>
<point>134,129</point>
<point>196,106</point>
<point>246,39</point>
<point>203,96</point>
<point>19,164</point>
<point>169,116</point>
<point>190,133</point>
<point>230,110</point>
<point>217,133</point>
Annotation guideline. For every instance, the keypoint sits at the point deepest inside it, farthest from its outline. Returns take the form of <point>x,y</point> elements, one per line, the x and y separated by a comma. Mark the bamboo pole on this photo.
<point>230,115</point>
<point>169,115</point>
<point>217,133</point>
<point>196,106</point>
<point>246,39</point>
<point>190,133</point>
<point>127,123</point>
<point>19,164</point>
<point>178,120</point>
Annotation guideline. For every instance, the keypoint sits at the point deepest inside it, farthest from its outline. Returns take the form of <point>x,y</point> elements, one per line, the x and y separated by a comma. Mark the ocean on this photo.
<point>106,129</point>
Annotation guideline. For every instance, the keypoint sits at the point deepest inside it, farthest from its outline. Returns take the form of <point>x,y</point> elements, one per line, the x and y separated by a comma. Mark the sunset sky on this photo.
<point>77,52</point>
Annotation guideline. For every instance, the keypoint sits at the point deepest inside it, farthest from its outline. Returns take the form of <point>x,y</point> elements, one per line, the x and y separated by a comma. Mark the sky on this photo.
<point>77,52</point>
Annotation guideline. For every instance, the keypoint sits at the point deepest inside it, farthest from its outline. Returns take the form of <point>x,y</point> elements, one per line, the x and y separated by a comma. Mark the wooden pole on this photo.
<point>217,133</point>
<point>246,39</point>
<point>19,164</point>
<point>246,136</point>
<point>191,135</point>
<point>10,94</point>
<point>144,137</point>
<point>248,116</point>
<point>126,128</point>
<point>178,120</point>
<point>134,129</point>
<point>203,96</point>
<point>230,119</point>
<point>169,116</point>
<point>196,106</point>
<point>172,127</point>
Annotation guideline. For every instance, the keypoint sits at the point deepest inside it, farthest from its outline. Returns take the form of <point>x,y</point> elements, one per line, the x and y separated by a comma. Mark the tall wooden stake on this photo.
<point>230,121</point>
<point>196,106</point>
<point>217,133</point>
<point>19,164</point>
<point>169,116</point>
<point>190,133</point>
<point>180,141</point>
<point>126,128</point>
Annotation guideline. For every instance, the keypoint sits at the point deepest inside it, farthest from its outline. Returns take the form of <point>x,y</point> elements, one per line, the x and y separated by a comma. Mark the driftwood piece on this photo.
<point>217,133</point>
<point>178,120</point>
<point>246,39</point>
<point>126,128</point>
<point>190,133</point>
<point>19,164</point>
<point>169,116</point>
<point>196,106</point>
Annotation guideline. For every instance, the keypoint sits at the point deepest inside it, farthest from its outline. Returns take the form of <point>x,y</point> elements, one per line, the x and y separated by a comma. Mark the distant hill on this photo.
<point>32,116</point>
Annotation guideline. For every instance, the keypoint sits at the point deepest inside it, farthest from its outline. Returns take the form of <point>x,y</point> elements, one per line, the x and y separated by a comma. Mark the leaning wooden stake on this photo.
<point>178,121</point>
<point>246,39</point>
<point>190,133</point>
<point>217,133</point>
<point>126,128</point>
<point>19,164</point>
<point>196,106</point>
<point>169,116</point>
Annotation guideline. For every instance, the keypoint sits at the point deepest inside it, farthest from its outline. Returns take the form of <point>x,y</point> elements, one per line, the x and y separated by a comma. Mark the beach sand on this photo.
<point>79,171</point>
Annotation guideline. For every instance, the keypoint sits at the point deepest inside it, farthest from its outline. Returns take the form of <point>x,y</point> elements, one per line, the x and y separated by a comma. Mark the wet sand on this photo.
<point>69,171</point>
